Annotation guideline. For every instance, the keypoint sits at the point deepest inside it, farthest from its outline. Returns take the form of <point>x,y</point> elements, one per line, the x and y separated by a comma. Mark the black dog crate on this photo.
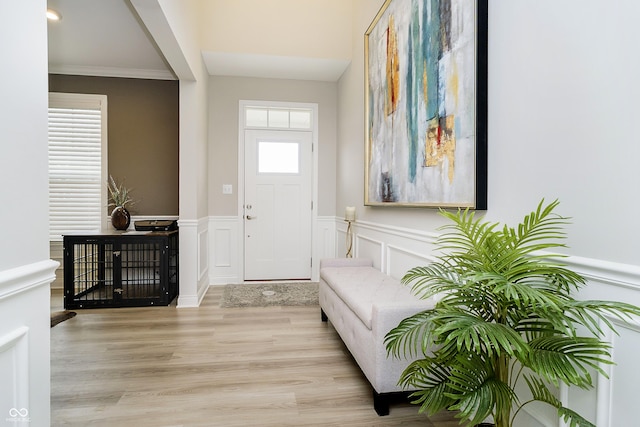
<point>120,270</point>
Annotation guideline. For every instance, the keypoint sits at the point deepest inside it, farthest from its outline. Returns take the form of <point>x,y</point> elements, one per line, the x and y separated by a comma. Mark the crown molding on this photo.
<point>134,73</point>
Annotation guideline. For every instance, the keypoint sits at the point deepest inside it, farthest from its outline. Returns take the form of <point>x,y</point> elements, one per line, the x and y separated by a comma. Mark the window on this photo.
<point>77,163</point>
<point>278,157</point>
<point>278,118</point>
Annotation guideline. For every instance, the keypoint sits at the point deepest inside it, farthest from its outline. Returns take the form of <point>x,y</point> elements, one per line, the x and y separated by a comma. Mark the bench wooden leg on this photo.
<point>323,316</point>
<point>380,403</point>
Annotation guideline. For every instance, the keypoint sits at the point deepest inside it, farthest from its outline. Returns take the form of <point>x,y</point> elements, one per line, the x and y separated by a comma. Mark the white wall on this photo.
<point>25,268</point>
<point>194,190</point>
<point>23,134</point>
<point>175,27</point>
<point>225,94</point>
<point>562,91</point>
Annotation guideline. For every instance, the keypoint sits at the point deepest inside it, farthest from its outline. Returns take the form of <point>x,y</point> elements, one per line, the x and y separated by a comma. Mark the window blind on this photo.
<point>77,164</point>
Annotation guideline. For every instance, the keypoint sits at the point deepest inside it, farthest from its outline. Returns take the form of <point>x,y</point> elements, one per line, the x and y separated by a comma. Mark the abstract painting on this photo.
<point>426,104</point>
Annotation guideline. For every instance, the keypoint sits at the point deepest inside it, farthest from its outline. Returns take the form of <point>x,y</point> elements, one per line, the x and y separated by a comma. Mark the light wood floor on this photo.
<point>210,366</point>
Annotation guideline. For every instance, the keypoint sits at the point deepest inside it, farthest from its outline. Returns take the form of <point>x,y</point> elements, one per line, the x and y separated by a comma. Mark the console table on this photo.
<point>120,269</point>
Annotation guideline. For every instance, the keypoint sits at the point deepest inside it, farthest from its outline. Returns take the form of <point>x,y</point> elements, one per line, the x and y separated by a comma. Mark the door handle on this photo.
<point>249,217</point>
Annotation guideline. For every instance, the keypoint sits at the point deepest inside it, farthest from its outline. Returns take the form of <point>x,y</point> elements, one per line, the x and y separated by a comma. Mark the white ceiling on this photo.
<point>272,66</point>
<point>106,38</point>
<point>102,37</point>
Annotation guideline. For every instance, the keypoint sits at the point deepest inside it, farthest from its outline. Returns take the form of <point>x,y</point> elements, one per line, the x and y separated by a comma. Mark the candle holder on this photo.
<point>349,239</point>
<point>349,217</point>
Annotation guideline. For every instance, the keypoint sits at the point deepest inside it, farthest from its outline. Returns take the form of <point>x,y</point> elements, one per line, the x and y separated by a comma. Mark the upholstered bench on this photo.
<point>363,305</point>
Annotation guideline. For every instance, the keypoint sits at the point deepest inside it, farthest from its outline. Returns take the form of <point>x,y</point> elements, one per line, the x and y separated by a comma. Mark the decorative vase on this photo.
<point>120,218</point>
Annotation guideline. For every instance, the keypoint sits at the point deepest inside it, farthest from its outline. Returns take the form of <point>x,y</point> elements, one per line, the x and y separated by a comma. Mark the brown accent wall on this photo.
<point>142,135</point>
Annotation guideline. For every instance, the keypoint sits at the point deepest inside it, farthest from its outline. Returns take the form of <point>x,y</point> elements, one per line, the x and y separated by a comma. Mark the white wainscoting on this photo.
<point>226,256</point>
<point>612,403</point>
<point>14,357</point>
<point>394,250</point>
<point>203,255</point>
<point>325,246</point>
<point>225,232</point>
<point>24,343</point>
<point>194,261</point>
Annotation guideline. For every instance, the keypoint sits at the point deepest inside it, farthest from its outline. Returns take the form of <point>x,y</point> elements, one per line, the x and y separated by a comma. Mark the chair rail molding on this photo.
<point>23,278</point>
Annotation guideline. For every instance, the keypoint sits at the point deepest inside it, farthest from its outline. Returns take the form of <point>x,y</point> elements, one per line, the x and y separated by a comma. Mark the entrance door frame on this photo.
<point>243,104</point>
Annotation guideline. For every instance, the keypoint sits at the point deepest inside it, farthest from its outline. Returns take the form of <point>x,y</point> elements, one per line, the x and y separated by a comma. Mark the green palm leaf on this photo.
<point>540,392</point>
<point>573,418</point>
<point>431,378</point>
<point>520,294</point>
<point>591,313</point>
<point>431,280</point>
<point>568,359</point>
<point>472,334</point>
<point>532,327</point>
<point>541,225</point>
<point>412,336</point>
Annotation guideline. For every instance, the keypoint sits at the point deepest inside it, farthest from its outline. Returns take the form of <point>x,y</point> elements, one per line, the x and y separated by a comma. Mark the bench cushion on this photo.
<point>363,287</point>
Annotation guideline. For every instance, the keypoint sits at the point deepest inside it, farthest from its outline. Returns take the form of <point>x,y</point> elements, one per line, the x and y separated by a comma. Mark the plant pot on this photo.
<point>120,218</point>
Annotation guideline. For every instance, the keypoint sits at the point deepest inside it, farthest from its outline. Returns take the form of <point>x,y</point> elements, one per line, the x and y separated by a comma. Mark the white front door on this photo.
<point>277,205</point>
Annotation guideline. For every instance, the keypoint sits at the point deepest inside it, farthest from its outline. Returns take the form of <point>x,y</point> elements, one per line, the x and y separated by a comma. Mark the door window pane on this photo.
<point>256,117</point>
<point>278,118</point>
<point>300,119</point>
<point>277,157</point>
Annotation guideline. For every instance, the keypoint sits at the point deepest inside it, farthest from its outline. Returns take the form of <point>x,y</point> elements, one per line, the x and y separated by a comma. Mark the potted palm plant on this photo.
<point>505,314</point>
<point>120,199</point>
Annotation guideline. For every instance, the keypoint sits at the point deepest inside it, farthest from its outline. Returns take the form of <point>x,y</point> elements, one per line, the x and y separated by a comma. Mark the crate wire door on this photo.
<point>120,271</point>
<point>92,271</point>
<point>139,270</point>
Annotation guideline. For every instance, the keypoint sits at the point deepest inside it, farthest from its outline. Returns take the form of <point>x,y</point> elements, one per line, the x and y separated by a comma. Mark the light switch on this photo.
<point>227,189</point>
